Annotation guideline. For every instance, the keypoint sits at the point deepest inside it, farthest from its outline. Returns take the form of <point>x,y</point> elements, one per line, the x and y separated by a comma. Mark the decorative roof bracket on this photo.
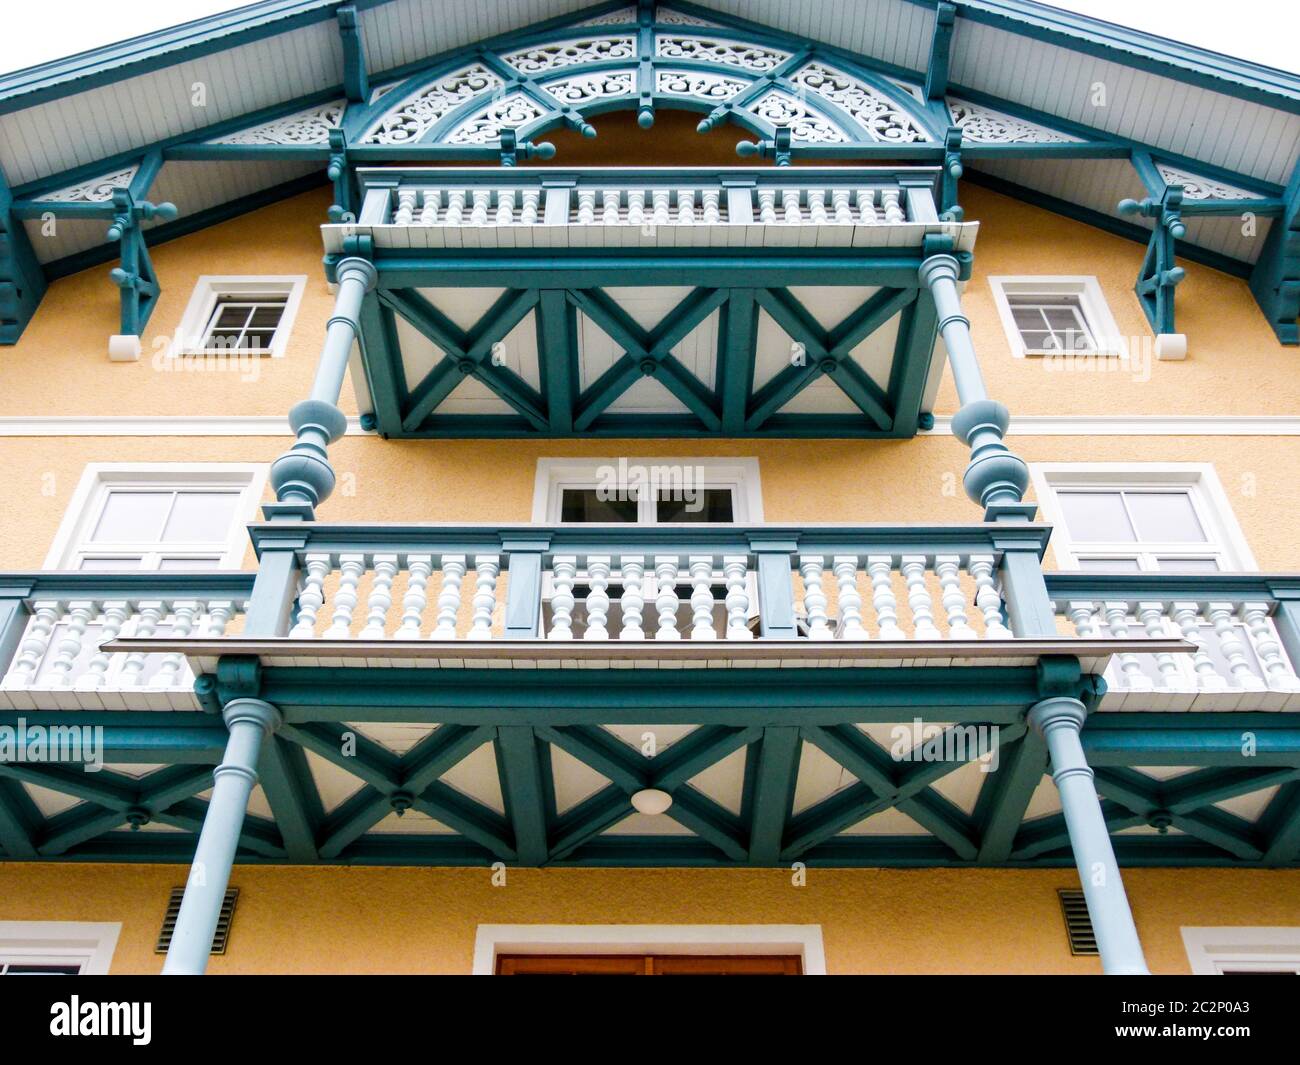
<point>1159,274</point>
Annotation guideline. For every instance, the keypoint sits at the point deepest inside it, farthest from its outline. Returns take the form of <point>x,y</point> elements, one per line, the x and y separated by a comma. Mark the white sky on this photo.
<point>86,24</point>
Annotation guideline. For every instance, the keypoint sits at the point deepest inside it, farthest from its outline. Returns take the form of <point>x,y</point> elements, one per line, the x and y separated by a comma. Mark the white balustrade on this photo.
<point>564,571</point>
<point>701,569</point>
<point>666,598</point>
<point>735,569</point>
<point>632,601</point>
<point>598,570</point>
<point>1235,646</point>
<point>814,599</point>
<point>486,569</point>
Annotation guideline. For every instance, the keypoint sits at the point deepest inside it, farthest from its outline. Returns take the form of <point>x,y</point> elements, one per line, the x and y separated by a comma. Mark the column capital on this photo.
<point>939,267</point>
<point>257,711</point>
<point>1057,711</point>
<point>356,267</point>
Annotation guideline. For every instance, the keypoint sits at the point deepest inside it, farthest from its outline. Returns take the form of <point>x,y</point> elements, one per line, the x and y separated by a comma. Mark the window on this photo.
<point>56,948</point>
<point>1243,951</point>
<point>1171,518</point>
<point>647,492</point>
<point>1055,316</point>
<point>647,965</point>
<point>664,949</point>
<point>239,316</point>
<point>244,323</point>
<point>168,518</point>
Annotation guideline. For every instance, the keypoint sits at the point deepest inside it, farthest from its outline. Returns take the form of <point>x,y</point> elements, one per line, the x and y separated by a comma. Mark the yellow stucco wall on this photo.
<point>1236,365</point>
<point>803,481</point>
<point>339,919</point>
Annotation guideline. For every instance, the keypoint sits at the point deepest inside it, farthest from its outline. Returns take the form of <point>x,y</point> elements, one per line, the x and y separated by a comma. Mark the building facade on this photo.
<point>748,485</point>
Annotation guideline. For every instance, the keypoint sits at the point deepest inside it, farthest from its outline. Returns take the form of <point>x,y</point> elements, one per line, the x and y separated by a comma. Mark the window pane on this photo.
<point>1109,565</point>
<point>1188,565</point>
<point>131,516</point>
<point>709,504</point>
<point>177,565</point>
<point>1037,339</point>
<point>584,504</point>
<point>1063,318</point>
<point>109,565</point>
<point>1027,317</point>
<point>1096,517</point>
<point>201,517</point>
<point>1167,517</point>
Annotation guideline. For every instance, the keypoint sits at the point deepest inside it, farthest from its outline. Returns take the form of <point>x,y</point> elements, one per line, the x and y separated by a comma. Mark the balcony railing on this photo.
<point>1243,655</point>
<point>661,589</point>
<point>676,206</point>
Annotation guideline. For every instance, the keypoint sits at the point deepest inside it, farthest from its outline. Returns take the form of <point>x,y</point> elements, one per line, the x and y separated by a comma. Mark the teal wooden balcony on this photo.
<point>468,694</point>
<point>661,301</point>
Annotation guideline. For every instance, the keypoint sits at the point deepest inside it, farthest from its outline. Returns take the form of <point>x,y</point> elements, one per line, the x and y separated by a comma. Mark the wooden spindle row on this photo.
<point>1189,620</point>
<point>51,650</point>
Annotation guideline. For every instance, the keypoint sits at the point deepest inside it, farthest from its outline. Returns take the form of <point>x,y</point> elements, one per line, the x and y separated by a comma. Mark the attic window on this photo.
<point>239,316</point>
<point>1056,316</point>
<point>244,323</point>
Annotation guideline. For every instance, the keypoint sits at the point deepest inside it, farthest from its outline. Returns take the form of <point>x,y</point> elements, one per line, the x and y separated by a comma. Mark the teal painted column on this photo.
<point>994,475</point>
<point>1059,720</point>
<point>249,722</point>
<point>302,476</point>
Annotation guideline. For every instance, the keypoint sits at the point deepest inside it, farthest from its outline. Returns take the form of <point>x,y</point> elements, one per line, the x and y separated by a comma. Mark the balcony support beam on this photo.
<point>250,721</point>
<point>1059,721</point>
<point>302,477</point>
<point>994,475</point>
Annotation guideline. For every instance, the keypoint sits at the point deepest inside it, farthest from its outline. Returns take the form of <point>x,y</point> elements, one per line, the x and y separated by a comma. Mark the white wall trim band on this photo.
<point>1022,425</point>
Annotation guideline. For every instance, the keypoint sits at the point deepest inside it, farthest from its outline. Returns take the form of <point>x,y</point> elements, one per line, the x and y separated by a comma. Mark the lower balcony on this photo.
<point>833,695</point>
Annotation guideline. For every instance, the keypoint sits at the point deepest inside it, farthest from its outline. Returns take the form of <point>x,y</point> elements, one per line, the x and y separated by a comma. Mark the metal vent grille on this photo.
<point>223,921</point>
<point>1078,925</point>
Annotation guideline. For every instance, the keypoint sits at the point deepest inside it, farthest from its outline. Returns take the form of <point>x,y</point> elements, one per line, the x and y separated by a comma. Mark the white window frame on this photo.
<point>192,331</point>
<point>98,478</point>
<point>803,940</point>
<point>741,475</point>
<point>1212,950</point>
<point>1199,479</point>
<point>1097,317</point>
<point>89,944</point>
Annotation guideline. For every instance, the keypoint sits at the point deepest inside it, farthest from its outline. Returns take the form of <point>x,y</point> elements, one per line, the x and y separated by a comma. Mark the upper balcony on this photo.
<point>635,302</point>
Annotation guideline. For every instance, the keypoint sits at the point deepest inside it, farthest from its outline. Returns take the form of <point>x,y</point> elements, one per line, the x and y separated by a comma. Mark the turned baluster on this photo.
<point>632,600</point>
<point>564,569</point>
<point>35,642</point>
<point>701,569</point>
<point>814,598</point>
<point>312,596</point>
<point>67,647</point>
<point>351,567</point>
<point>1152,616</point>
<point>1187,616</point>
<point>666,597</point>
<point>883,600</point>
<point>918,598</point>
<point>1222,617</point>
<point>1129,664</point>
<point>598,570</point>
<point>486,569</point>
<point>115,612</point>
<point>735,569</point>
<point>381,597</point>
<point>453,572</point>
<point>987,597</point>
<point>418,570</point>
<point>850,599</point>
<point>948,569</point>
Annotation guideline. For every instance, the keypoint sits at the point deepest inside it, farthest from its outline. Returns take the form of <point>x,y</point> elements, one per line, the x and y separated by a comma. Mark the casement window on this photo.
<point>647,491</point>
<point>1117,518</point>
<point>239,316</point>
<point>1056,316</point>
<point>167,517</point>
<point>56,948</point>
<point>1243,951</point>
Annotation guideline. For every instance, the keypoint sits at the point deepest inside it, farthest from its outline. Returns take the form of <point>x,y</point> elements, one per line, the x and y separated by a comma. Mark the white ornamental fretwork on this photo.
<point>570,53</point>
<point>806,125</point>
<point>699,85</point>
<point>621,17</point>
<point>880,117</point>
<point>411,119</point>
<point>756,57</point>
<point>980,125</point>
<point>311,126</point>
<point>486,126</point>
<point>99,190</point>
<point>583,88</point>
<point>1196,187</point>
<point>667,17</point>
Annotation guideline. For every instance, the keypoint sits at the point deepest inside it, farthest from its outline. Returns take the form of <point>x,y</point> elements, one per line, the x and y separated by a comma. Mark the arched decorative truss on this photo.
<point>631,61</point>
